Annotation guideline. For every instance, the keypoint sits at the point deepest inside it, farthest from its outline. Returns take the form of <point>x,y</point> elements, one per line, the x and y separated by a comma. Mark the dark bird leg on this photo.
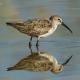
<point>37,43</point>
<point>30,42</point>
<point>37,47</point>
<point>31,50</point>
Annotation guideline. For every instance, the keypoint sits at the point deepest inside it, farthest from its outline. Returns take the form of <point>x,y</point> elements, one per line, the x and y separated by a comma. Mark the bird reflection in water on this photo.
<point>39,62</point>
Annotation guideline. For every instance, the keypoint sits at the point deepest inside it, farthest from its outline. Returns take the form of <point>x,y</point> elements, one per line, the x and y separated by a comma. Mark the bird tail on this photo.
<point>16,25</point>
<point>10,68</point>
<point>10,24</point>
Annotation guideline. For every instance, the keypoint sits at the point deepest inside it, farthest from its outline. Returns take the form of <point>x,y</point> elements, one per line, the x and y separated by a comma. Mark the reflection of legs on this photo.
<point>37,47</point>
<point>30,42</point>
<point>37,43</point>
<point>30,47</point>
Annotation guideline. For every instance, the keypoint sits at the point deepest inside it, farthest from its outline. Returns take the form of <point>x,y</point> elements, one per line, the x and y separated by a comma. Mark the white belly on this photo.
<point>50,58</point>
<point>49,32</point>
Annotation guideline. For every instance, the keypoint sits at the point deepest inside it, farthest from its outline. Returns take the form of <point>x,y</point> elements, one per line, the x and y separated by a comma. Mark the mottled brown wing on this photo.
<point>33,27</point>
<point>37,27</point>
<point>33,64</point>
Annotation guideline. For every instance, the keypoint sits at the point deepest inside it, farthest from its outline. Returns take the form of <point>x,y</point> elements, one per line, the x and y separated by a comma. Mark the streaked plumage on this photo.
<point>34,27</point>
<point>38,27</point>
<point>39,62</point>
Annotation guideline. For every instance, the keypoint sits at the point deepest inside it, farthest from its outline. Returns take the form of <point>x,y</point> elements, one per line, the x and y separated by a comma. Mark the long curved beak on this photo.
<point>67,61</point>
<point>66,27</point>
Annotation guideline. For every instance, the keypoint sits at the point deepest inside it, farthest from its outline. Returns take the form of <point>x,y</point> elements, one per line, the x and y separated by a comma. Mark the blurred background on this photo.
<point>62,44</point>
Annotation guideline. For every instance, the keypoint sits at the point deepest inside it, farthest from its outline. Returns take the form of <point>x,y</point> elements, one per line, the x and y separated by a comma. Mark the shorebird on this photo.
<point>39,27</point>
<point>40,62</point>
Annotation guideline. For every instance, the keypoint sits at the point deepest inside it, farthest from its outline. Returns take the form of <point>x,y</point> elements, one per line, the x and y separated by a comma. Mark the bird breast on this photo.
<point>47,34</point>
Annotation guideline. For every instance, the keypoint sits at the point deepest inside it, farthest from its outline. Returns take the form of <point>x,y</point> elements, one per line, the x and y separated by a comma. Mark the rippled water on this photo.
<point>62,44</point>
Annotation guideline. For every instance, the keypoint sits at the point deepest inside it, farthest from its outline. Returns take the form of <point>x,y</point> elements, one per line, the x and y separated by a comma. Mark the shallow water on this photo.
<point>62,44</point>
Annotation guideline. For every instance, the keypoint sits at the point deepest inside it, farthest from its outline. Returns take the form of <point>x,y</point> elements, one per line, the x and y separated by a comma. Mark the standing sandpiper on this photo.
<point>39,27</point>
<point>40,62</point>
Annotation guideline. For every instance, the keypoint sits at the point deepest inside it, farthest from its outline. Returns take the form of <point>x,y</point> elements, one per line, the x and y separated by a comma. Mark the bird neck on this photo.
<point>55,62</point>
<point>54,26</point>
<point>56,65</point>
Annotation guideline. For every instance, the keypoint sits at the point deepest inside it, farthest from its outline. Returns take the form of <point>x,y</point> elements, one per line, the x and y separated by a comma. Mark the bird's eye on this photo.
<point>59,69</point>
<point>59,20</point>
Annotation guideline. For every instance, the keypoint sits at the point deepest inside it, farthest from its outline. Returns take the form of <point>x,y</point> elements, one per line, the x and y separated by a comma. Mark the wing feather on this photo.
<point>36,63</point>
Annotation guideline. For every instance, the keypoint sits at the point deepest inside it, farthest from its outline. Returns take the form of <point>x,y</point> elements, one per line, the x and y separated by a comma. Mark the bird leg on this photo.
<point>31,49</point>
<point>30,42</point>
<point>37,43</point>
<point>37,47</point>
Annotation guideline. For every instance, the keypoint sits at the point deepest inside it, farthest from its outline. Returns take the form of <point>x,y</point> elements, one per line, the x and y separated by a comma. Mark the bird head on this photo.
<point>59,68</point>
<point>57,20</point>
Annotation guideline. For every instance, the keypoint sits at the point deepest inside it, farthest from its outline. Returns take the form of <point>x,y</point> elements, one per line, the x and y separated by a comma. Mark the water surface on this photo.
<point>62,44</point>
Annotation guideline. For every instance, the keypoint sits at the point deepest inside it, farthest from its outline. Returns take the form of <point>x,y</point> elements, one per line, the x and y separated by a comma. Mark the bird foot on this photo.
<point>37,45</point>
<point>30,45</point>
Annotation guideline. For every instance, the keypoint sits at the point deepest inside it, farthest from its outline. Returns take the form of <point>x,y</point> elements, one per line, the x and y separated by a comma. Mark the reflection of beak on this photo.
<point>67,61</point>
<point>66,27</point>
